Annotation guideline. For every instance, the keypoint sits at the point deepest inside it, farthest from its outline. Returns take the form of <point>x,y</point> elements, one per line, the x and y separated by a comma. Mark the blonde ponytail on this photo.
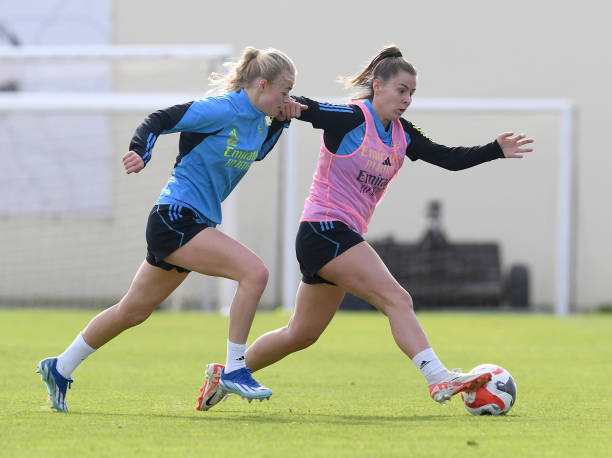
<point>254,63</point>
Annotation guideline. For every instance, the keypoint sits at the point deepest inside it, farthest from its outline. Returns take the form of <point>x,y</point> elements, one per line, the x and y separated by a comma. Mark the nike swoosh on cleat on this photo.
<point>210,399</point>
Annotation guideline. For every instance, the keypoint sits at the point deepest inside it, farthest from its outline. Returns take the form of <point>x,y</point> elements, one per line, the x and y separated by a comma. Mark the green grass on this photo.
<point>352,394</point>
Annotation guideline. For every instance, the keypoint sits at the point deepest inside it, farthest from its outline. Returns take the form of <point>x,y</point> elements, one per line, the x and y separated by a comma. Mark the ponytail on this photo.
<point>386,64</point>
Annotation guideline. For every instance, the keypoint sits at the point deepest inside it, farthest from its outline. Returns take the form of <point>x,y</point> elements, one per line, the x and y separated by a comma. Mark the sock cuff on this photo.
<point>86,346</point>
<point>235,347</point>
<point>426,355</point>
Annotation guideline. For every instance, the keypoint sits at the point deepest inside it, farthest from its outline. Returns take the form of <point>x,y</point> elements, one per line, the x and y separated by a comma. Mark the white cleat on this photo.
<point>456,382</point>
<point>211,393</point>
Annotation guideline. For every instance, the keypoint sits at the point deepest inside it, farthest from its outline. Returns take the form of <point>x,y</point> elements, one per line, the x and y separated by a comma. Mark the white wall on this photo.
<point>476,48</point>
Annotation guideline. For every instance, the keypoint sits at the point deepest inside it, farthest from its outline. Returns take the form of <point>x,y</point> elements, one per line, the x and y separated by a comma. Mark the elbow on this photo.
<point>457,166</point>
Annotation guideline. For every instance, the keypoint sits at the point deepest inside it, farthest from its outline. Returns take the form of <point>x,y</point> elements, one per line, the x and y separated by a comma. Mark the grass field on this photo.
<point>352,394</point>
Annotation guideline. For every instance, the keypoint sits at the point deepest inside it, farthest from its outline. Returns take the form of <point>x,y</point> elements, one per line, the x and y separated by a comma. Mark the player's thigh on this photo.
<point>211,252</point>
<point>361,272</point>
<point>315,306</point>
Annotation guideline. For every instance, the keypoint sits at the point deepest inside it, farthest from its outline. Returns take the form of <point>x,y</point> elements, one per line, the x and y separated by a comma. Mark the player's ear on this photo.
<point>262,83</point>
<point>375,85</point>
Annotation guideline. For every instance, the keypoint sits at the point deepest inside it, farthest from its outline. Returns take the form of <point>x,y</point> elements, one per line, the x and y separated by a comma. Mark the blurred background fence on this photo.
<point>72,223</point>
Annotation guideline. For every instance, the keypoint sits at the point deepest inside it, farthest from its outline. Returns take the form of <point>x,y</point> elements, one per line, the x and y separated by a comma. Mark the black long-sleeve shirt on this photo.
<point>344,127</point>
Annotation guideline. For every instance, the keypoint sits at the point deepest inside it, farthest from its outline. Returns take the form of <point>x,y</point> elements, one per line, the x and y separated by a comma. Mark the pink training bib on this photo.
<point>348,188</point>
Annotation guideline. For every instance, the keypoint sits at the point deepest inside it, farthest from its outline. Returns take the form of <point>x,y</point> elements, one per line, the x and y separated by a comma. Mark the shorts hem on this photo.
<point>312,247</point>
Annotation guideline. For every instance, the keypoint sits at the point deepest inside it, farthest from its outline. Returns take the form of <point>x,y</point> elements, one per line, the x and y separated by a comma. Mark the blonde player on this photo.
<point>221,137</point>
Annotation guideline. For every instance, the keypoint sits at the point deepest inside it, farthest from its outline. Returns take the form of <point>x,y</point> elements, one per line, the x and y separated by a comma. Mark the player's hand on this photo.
<point>132,162</point>
<point>513,147</point>
<point>291,110</point>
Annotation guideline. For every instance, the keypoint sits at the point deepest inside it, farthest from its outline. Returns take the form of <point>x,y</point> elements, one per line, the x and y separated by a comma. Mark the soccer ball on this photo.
<point>496,397</point>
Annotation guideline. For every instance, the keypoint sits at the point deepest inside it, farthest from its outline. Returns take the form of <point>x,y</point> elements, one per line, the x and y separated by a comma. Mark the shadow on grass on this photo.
<point>268,417</point>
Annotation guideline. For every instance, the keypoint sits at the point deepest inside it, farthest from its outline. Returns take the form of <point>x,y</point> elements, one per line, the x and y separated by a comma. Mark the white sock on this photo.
<point>430,366</point>
<point>68,361</point>
<point>235,357</point>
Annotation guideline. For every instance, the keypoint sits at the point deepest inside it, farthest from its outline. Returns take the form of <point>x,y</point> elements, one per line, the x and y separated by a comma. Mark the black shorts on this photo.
<point>170,226</point>
<point>317,243</point>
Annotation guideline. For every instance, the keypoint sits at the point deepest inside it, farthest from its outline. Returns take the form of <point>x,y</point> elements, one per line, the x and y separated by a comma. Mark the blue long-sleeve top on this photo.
<point>220,138</point>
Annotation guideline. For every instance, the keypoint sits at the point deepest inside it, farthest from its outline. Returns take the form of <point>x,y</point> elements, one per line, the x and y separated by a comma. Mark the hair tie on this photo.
<point>396,54</point>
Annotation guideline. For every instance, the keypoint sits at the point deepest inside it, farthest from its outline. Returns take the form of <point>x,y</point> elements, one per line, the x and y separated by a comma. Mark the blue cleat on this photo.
<point>241,382</point>
<point>56,383</point>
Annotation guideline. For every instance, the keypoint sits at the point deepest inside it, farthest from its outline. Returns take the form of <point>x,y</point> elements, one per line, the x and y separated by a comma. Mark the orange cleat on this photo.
<point>211,393</point>
<point>456,382</point>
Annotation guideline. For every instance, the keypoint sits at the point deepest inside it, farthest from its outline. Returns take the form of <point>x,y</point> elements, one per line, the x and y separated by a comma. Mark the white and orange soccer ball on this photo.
<point>495,398</point>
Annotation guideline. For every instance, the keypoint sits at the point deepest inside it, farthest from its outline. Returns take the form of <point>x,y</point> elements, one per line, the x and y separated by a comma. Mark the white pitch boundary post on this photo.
<point>105,102</point>
<point>87,102</point>
<point>289,221</point>
<point>107,52</point>
<point>565,108</point>
<point>226,287</point>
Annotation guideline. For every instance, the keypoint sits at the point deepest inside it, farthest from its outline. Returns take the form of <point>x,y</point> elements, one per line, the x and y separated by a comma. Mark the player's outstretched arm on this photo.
<point>513,147</point>
<point>132,162</point>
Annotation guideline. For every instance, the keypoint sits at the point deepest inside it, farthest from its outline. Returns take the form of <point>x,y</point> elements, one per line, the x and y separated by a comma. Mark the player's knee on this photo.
<point>136,317</point>
<point>133,316</point>
<point>257,276</point>
<point>396,300</point>
<point>406,301</point>
<point>303,340</point>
